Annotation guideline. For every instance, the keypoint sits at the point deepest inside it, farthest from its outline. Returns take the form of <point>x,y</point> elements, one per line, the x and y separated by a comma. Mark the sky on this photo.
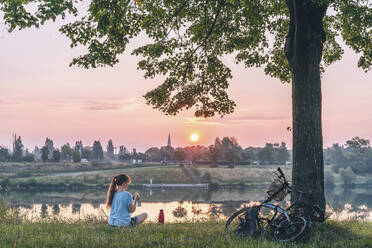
<point>41,96</point>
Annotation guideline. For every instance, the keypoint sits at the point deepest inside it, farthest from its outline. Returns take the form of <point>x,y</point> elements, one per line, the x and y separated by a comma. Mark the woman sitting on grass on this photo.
<point>122,203</point>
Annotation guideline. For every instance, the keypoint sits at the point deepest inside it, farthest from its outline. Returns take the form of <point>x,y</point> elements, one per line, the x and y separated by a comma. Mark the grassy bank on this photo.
<point>87,176</point>
<point>29,169</point>
<point>203,234</point>
<point>251,175</point>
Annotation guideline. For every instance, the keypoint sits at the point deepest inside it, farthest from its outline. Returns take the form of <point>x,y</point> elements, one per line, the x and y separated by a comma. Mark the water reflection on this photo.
<point>173,211</point>
<point>179,205</point>
<point>55,208</point>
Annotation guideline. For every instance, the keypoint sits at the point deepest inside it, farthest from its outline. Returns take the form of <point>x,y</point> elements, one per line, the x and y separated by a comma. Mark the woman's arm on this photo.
<point>133,205</point>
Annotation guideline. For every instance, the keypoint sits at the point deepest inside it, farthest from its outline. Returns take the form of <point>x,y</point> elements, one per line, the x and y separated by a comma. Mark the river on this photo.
<point>178,204</point>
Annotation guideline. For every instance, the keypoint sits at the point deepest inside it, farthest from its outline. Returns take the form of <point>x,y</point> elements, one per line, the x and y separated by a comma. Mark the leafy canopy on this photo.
<point>189,38</point>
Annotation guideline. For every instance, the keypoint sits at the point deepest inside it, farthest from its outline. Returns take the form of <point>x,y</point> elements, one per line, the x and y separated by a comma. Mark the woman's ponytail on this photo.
<point>111,192</point>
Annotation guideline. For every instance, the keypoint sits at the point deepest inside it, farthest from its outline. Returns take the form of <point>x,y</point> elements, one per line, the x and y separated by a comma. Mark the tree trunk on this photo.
<point>303,50</point>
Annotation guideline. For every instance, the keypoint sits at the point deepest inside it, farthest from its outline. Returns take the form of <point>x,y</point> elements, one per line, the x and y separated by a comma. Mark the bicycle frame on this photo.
<point>276,210</point>
<point>275,207</point>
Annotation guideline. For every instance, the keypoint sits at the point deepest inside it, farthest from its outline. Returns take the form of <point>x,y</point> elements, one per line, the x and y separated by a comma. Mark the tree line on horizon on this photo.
<point>350,160</point>
<point>225,150</point>
<point>355,155</point>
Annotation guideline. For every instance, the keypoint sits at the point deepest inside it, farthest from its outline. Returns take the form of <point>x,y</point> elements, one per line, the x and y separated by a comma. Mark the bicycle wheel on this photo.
<point>237,223</point>
<point>234,223</point>
<point>287,231</point>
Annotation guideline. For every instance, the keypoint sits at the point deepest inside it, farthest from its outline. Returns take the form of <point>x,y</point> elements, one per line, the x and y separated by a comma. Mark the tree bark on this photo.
<point>303,49</point>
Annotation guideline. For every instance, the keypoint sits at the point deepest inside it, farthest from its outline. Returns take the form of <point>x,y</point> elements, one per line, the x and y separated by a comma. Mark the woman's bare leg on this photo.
<point>141,218</point>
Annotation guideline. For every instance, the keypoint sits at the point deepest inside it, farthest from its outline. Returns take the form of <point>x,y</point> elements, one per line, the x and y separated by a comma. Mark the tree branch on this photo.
<point>206,37</point>
<point>176,15</point>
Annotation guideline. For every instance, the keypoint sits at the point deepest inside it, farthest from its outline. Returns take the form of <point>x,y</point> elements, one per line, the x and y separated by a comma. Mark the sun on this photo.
<point>194,137</point>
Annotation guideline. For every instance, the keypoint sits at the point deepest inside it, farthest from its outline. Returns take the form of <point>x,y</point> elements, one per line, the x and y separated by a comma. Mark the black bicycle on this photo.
<point>285,225</point>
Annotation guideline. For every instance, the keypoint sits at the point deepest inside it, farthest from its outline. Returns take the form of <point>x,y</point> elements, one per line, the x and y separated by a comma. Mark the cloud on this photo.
<point>113,104</point>
<point>101,106</point>
<point>235,120</point>
<point>202,121</point>
<point>256,118</point>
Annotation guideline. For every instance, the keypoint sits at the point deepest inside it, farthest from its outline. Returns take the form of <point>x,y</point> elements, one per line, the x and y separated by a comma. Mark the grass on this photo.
<point>221,176</point>
<point>25,169</point>
<point>87,176</point>
<point>199,234</point>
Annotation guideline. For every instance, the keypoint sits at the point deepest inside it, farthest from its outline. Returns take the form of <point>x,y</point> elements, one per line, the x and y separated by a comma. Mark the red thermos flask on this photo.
<point>161,217</point>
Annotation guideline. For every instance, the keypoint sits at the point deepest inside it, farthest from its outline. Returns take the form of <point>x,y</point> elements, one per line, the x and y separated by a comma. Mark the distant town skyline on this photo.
<point>41,96</point>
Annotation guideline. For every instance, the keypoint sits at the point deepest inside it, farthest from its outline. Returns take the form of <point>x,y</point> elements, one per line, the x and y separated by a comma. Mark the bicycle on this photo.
<point>291,223</point>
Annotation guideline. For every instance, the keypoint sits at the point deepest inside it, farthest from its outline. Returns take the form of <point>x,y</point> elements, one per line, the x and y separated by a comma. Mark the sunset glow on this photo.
<point>39,100</point>
<point>194,137</point>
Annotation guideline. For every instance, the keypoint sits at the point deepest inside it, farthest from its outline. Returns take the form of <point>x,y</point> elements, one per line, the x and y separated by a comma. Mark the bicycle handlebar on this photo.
<point>281,174</point>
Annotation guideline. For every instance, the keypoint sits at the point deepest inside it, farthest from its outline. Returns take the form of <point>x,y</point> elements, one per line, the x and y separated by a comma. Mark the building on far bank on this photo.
<point>169,141</point>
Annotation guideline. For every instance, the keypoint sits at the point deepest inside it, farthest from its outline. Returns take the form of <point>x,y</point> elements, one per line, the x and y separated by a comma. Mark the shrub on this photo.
<point>347,176</point>
<point>29,158</point>
<point>231,166</point>
<point>207,177</point>
<point>8,215</point>
<point>196,171</point>
<point>4,182</point>
<point>31,182</point>
<point>95,163</point>
<point>76,157</point>
<point>329,179</point>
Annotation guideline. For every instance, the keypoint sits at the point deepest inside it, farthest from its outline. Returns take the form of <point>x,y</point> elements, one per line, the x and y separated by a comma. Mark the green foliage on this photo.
<point>110,149</point>
<point>357,154</point>
<point>215,152</point>
<point>354,19</point>
<point>230,149</point>
<point>44,153</point>
<point>190,38</point>
<point>4,154</point>
<point>97,150</point>
<point>207,177</point>
<point>87,153</point>
<point>266,154</point>
<point>4,183</point>
<point>95,163</point>
<point>76,157</point>
<point>124,154</point>
<point>66,152</point>
<point>272,153</point>
<point>17,14</point>
<point>347,176</point>
<point>179,154</point>
<point>56,155</point>
<point>29,157</point>
<point>329,179</point>
<point>8,215</point>
<point>17,149</point>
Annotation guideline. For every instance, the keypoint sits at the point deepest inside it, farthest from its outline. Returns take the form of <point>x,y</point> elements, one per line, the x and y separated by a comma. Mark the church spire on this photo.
<point>169,141</point>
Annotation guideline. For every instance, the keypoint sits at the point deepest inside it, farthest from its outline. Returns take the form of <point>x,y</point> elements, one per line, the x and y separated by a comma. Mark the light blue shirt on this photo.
<point>119,214</point>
